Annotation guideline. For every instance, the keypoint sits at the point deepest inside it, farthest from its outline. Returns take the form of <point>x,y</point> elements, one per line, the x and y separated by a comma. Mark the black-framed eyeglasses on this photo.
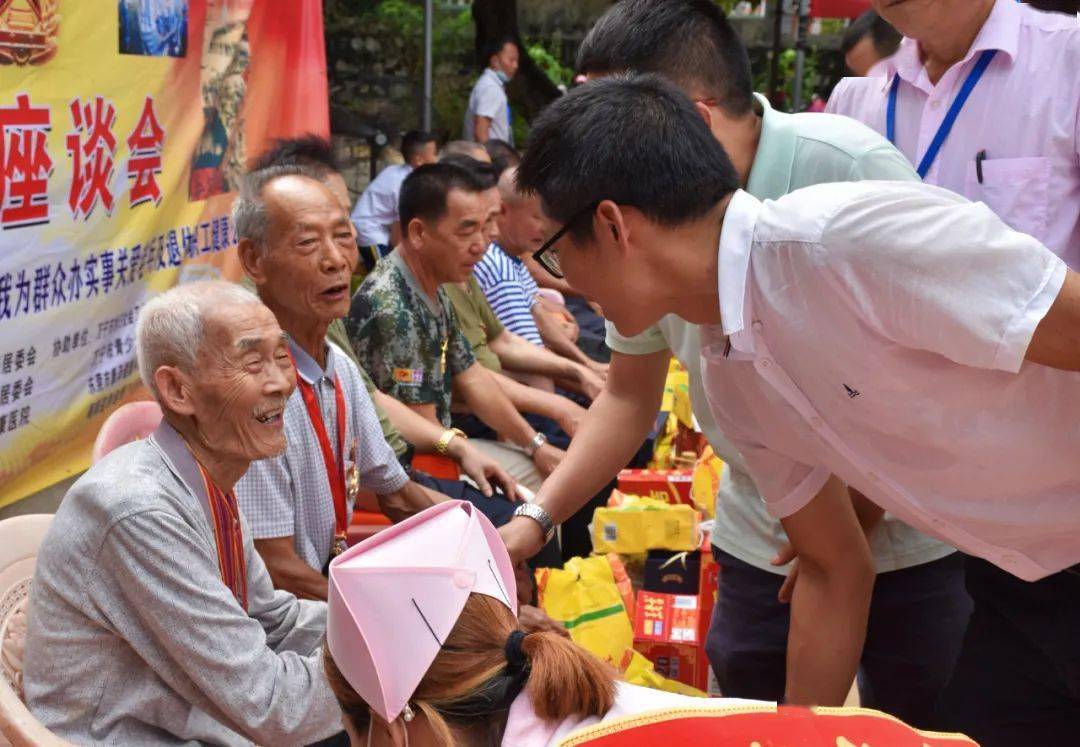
<point>548,254</point>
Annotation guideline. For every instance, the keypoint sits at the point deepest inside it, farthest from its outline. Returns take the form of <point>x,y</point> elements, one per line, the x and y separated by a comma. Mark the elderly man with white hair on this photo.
<point>152,619</point>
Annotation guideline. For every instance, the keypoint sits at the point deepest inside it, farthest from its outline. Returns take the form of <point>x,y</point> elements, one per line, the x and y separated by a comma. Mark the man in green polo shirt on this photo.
<point>919,585</point>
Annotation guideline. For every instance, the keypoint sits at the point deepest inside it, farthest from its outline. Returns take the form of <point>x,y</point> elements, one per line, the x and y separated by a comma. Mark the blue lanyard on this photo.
<point>950,116</point>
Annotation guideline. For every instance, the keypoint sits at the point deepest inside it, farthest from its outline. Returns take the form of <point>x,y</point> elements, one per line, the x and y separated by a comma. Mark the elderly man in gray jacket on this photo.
<point>152,618</point>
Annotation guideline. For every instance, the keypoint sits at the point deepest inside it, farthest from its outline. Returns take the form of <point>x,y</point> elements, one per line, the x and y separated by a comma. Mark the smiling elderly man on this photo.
<point>152,618</point>
<point>298,247</point>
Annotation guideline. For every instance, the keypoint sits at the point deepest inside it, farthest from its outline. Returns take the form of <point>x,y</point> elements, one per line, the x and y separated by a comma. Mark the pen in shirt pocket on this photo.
<point>979,158</point>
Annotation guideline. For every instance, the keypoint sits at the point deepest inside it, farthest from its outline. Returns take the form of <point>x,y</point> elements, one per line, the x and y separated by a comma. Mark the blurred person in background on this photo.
<point>376,213</point>
<point>868,41</point>
<point>488,113</point>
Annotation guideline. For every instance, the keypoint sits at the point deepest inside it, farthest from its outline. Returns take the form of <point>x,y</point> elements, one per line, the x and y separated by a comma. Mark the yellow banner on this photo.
<point>124,127</point>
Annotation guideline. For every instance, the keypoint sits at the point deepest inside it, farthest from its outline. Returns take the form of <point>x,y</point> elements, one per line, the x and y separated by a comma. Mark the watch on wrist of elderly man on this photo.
<point>533,446</point>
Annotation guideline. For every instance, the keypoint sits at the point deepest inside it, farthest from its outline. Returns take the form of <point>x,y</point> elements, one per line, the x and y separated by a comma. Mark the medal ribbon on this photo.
<point>335,472</point>
<point>228,537</point>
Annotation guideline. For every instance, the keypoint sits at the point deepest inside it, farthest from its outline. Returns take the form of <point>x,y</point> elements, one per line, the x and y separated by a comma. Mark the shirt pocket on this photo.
<point>1016,189</point>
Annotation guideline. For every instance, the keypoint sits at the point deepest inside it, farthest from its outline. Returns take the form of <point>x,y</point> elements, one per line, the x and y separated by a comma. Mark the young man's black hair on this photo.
<point>882,35</point>
<point>424,191</point>
<point>690,42</point>
<point>636,140</point>
<point>413,140</point>
<point>310,150</point>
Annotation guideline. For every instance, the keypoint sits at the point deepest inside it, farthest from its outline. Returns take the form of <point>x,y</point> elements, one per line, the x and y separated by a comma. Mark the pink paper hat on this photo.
<point>394,598</point>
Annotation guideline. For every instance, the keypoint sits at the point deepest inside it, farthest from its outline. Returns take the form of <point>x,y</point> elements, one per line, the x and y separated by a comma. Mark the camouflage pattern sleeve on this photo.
<point>459,354</point>
<point>390,347</point>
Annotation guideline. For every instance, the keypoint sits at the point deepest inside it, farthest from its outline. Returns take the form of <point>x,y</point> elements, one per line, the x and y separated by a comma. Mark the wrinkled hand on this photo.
<point>535,620</point>
<point>600,369</point>
<point>590,381</point>
<point>482,469</point>
<point>547,458</point>
<point>569,325</point>
<point>570,417</point>
<point>787,555</point>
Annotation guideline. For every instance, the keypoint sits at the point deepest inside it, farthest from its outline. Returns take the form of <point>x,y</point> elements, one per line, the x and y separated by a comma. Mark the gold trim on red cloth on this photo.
<point>746,726</point>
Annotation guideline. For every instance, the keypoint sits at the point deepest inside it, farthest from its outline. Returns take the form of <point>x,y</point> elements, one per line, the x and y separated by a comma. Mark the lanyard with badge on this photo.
<point>950,116</point>
<point>343,484</point>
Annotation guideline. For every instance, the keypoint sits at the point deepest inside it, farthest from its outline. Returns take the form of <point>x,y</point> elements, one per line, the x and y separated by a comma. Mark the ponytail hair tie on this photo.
<point>515,658</point>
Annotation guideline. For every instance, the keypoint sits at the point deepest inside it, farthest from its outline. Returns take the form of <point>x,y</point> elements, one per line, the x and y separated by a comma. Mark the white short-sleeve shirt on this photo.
<point>794,151</point>
<point>488,99</point>
<point>877,331</point>
<point>377,209</point>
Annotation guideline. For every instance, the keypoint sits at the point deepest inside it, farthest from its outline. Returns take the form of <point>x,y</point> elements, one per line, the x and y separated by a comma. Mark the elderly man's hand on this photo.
<point>481,469</point>
<point>535,620</point>
<point>547,458</point>
<point>590,381</point>
<point>570,416</point>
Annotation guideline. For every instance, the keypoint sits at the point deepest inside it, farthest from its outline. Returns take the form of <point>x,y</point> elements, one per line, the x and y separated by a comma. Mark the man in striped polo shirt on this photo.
<point>509,287</point>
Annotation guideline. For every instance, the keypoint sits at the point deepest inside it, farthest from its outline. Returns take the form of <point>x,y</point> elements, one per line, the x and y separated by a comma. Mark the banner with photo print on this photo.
<point>124,127</point>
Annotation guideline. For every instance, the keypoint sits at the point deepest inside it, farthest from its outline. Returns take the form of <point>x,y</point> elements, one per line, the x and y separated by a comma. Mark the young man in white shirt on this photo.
<point>890,336</point>
<point>920,580</point>
<point>376,213</point>
<point>487,116</point>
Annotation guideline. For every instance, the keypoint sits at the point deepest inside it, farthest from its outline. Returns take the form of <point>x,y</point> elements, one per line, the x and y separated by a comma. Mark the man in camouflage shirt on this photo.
<point>404,331</point>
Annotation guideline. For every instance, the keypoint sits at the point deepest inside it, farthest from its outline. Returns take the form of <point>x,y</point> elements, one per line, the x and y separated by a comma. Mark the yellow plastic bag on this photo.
<point>584,597</point>
<point>676,398</point>
<point>640,524</point>
<point>706,482</point>
<point>640,671</point>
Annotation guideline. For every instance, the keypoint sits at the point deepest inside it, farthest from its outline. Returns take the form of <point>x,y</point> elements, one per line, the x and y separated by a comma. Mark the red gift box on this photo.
<point>671,485</point>
<point>669,630</point>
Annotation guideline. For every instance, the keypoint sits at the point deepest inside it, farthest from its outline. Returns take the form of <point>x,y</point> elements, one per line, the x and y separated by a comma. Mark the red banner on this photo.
<point>838,8</point>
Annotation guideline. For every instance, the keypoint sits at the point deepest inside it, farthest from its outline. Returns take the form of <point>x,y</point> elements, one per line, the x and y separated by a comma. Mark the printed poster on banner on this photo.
<point>125,126</point>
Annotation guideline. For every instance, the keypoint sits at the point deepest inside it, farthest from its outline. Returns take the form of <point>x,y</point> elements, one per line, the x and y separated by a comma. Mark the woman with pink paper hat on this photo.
<point>423,648</point>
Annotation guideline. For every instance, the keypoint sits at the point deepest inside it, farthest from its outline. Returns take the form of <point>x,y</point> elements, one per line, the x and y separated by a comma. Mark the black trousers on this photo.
<point>917,621</point>
<point>497,509</point>
<point>593,332</point>
<point>1017,681</point>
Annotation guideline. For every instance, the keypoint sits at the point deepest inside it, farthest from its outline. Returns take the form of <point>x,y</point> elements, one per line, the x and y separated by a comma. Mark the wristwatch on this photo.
<point>449,435</point>
<point>540,516</point>
<point>538,440</point>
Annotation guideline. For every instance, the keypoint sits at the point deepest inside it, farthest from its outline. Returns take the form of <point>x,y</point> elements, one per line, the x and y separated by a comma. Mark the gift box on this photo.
<point>671,485</point>
<point>640,524</point>
<point>673,572</point>
<point>669,630</point>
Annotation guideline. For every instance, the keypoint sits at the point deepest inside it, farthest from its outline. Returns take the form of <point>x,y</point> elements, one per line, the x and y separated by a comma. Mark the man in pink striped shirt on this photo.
<point>1014,140</point>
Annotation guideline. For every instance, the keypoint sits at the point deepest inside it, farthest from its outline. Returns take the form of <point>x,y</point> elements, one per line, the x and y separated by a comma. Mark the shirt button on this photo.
<point>757,326</point>
<point>765,362</point>
<point>816,422</point>
<point>873,476</point>
<point>935,104</point>
<point>1008,559</point>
